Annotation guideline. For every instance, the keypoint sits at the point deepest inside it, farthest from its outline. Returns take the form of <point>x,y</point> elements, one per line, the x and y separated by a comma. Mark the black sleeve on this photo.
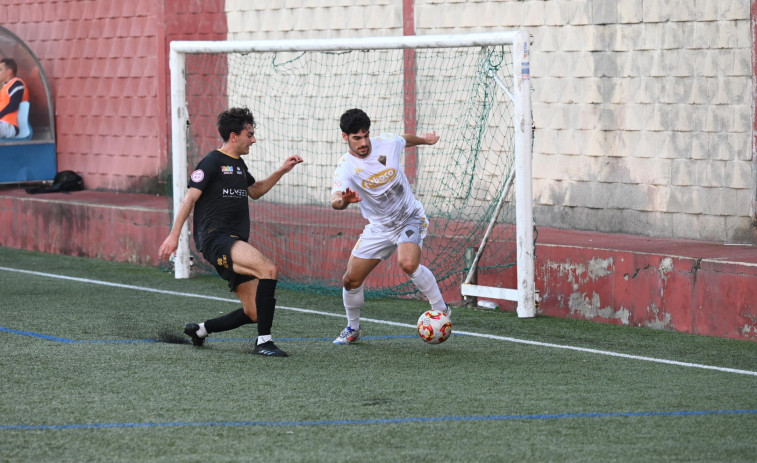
<point>201,176</point>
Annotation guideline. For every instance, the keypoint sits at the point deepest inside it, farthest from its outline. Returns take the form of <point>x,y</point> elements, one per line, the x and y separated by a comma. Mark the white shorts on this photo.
<point>378,243</point>
<point>7,130</point>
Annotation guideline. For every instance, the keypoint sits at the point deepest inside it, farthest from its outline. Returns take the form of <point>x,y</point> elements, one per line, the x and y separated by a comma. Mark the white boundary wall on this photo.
<point>643,109</point>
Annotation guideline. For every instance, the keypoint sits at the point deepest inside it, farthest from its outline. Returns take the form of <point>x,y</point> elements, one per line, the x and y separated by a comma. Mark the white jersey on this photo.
<point>387,199</point>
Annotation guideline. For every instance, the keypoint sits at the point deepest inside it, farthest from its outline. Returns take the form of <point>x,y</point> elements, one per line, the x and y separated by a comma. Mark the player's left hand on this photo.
<point>431,138</point>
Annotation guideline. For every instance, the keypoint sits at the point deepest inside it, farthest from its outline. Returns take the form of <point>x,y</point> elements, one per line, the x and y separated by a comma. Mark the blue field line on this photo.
<point>36,335</point>
<point>423,419</point>
<point>128,341</point>
<point>213,340</point>
<point>304,339</point>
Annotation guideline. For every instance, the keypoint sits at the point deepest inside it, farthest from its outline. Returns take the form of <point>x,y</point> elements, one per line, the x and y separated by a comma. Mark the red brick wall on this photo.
<point>107,62</point>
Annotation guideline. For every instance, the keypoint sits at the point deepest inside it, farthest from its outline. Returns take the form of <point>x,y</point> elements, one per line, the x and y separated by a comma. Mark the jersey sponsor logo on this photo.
<point>198,176</point>
<point>234,193</point>
<point>382,178</point>
<point>227,169</point>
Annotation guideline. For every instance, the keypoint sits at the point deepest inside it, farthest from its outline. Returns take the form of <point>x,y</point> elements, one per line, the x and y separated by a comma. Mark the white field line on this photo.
<point>386,322</point>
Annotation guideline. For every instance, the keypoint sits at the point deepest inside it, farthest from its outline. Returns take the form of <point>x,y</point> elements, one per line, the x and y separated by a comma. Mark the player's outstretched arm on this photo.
<point>262,187</point>
<point>414,140</point>
<point>172,240</point>
<point>341,199</point>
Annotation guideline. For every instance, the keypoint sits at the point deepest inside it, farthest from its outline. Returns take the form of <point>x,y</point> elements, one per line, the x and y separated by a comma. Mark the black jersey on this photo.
<point>223,206</point>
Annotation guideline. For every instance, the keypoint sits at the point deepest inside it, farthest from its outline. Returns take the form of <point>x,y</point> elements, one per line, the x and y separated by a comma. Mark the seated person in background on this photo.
<point>12,93</point>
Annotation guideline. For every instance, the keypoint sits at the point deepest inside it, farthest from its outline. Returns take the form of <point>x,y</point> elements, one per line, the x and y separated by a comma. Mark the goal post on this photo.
<point>472,89</point>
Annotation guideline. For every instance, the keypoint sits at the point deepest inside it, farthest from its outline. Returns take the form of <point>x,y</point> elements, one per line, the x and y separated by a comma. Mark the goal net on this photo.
<point>475,183</point>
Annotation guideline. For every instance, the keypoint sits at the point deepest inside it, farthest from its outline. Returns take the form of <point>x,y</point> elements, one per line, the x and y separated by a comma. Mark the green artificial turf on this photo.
<point>103,373</point>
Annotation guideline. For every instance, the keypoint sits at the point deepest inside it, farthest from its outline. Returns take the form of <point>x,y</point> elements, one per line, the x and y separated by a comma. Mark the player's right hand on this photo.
<point>168,247</point>
<point>350,196</point>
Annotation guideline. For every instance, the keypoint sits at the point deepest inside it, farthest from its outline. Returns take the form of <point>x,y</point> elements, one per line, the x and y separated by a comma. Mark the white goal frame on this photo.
<point>519,91</point>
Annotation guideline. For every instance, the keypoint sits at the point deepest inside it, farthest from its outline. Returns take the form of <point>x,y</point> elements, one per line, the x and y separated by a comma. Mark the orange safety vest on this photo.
<point>5,98</point>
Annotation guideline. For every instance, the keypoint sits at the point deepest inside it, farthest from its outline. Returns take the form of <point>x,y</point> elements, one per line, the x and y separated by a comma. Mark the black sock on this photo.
<point>228,322</point>
<point>266,305</point>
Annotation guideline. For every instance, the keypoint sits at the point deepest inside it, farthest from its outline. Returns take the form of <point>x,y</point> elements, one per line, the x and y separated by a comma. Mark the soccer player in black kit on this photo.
<point>217,191</point>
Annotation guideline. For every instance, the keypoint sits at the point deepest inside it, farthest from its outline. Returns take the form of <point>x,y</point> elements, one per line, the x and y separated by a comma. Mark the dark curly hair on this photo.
<point>354,120</point>
<point>234,120</point>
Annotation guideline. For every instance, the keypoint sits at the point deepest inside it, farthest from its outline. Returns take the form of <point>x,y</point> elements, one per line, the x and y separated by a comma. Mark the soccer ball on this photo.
<point>434,327</point>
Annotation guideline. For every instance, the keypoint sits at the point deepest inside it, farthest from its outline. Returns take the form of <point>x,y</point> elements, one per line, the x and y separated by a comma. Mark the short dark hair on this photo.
<point>234,120</point>
<point>354,120</point>
<point>10,63</point>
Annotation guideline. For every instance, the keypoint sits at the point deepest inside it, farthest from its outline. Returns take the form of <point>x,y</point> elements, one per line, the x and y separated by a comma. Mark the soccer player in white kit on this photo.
<point>370,174</point>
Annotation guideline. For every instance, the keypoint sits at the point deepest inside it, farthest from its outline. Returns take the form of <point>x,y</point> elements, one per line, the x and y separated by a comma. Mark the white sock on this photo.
<point>424,280</point>
<point>202,332</point>
<point>264,339</point>
<point>353,301</point>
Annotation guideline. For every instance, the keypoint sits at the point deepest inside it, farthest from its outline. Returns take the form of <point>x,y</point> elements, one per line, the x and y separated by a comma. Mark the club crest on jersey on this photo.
<point>382,160</point>
<point>227,169</point>
<point>197,176</point>
<point>379,179</point>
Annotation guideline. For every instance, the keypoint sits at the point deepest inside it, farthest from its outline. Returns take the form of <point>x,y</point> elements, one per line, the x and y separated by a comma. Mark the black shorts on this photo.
<point>217,251</point>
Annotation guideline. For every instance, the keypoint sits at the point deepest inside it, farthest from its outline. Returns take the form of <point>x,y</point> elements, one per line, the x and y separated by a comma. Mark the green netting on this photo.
<point>297,99</point>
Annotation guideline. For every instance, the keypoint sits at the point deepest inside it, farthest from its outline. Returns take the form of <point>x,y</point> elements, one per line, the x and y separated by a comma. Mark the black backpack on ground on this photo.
<point>64,181</point>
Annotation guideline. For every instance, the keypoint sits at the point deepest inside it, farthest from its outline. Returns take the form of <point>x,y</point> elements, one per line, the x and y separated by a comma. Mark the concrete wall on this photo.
<point>643,109</point>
